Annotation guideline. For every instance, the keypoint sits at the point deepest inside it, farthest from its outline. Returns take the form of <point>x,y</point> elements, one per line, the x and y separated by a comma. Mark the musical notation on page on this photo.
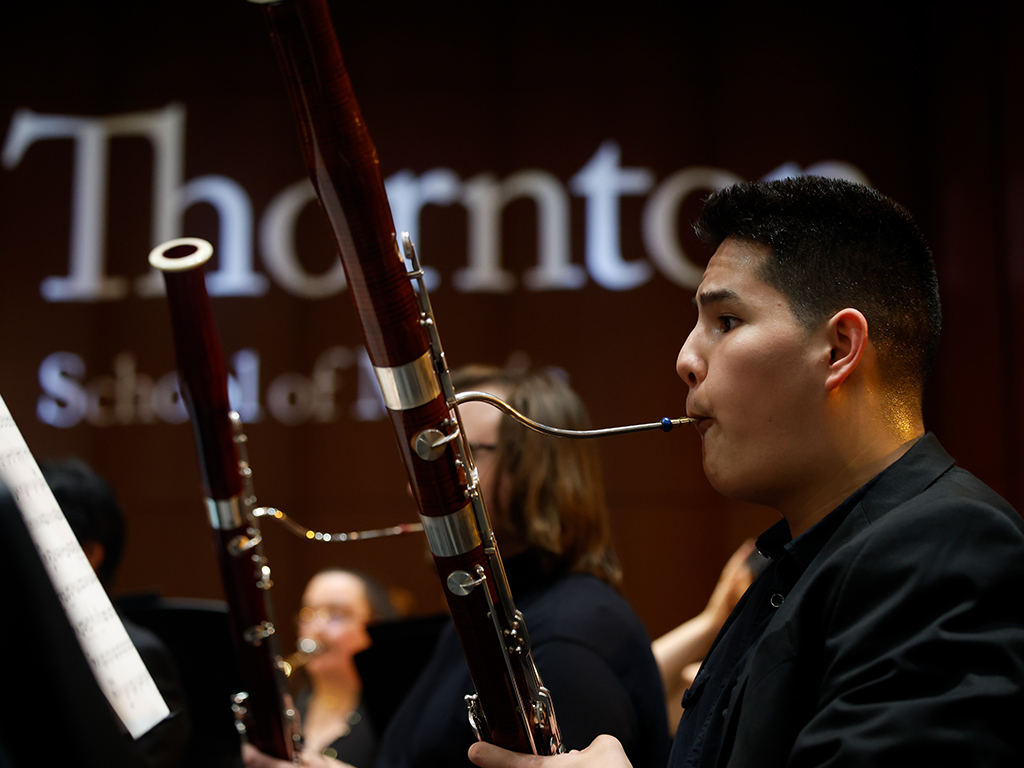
<point>118,668</point>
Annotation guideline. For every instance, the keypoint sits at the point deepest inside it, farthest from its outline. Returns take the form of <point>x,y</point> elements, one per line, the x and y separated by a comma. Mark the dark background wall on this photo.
<point>925,107</point>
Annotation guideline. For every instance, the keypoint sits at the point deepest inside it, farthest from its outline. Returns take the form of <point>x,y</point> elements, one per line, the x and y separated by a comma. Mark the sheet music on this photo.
<point>118,668</point>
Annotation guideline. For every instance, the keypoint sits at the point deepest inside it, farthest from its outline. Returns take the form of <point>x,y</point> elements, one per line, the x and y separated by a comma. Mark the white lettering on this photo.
<point>234,275</point>
<point>482,196</point>
<point>485,198</point>
<point>133,392</point>
<point>128,396</point>
<point>293,398</point>
<point>167,402</point>
<point>407,194</point>
<point>63,402</point>
<point>290,398</point>
<point>660,224</point>
<point>553,270</point>
<point>244,386</point>
<point>603,181</point>
<point>86,279</point>
<point>277,246</point>
<point>327,381</point>
<point>165,130</point>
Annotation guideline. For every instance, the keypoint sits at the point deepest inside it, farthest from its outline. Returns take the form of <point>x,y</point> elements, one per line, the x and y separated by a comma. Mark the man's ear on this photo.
<point>848,336</point>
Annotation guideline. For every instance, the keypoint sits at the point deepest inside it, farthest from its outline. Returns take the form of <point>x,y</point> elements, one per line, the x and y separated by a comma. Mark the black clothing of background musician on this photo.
<point>358,747</point>
<point>545,498</point>
<point>592,652</point>
<point>53,707</point>
<point>97,520</point>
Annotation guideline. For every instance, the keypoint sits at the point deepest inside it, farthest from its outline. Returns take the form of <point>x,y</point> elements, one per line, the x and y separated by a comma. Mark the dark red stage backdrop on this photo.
<point>548,163</point>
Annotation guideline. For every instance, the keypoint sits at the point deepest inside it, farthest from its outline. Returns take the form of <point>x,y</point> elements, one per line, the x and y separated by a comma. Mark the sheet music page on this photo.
<point>118,668</point>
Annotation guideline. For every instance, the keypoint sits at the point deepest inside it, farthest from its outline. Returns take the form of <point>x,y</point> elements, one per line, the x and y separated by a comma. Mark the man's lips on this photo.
<point>701,423</point>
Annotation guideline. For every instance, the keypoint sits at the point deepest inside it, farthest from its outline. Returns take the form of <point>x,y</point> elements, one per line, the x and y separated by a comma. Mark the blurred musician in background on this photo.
<point>680,650</point>
<point>337,607</point>
<point>888,630</point>
<point>98,522</point>
<point>545,498</point>
<point>546,501</point>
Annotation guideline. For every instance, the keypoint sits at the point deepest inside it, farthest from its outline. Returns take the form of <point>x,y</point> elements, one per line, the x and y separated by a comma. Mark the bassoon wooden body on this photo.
<point>512,708</point>
<point>264,710</point>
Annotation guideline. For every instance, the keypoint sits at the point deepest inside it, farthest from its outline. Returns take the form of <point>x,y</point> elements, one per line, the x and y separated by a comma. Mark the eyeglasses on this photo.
<point>329,615</point>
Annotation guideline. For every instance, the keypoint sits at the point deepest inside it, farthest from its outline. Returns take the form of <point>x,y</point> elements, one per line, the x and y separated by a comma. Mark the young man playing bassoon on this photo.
<point>889,628</point>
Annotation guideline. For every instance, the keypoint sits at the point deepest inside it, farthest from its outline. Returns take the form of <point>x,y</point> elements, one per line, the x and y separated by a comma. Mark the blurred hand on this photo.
<point>732,583</point>
<point>689,673</point>
<point>604,752</point>
<point>253,758</point>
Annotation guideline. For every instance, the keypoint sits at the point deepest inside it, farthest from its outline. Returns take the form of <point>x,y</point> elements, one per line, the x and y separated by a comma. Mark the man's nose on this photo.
<point>690,364</point>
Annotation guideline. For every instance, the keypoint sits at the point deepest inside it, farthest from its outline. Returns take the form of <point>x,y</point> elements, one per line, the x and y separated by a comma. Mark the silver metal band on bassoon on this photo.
<point>452,534</point>
<point>225,514</point>
<point>410,385</point>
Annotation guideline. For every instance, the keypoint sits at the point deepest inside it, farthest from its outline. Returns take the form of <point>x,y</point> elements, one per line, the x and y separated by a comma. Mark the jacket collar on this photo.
<point>924,463</point>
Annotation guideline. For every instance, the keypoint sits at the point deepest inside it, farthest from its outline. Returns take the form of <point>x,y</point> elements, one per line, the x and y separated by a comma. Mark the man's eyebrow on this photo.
<point>709,297</point>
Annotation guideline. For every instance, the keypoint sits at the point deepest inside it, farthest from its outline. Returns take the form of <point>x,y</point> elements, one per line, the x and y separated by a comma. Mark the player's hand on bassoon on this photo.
<point>253,758</point>
<point>604,752</point>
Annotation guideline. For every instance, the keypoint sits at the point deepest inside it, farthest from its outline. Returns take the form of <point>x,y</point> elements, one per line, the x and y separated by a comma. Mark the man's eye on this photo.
<point>728,323</point>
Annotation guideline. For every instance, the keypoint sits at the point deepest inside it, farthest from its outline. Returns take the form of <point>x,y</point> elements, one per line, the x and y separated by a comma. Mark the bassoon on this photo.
<point>511,707</point>
<point>264,711</point>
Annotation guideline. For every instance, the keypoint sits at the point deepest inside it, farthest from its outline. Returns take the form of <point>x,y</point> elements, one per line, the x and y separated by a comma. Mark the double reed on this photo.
<point>512,708</point>
<point>264,710</point>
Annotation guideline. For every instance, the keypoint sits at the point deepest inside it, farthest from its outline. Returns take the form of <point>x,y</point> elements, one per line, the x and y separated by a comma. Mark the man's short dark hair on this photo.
<point>835,244</point>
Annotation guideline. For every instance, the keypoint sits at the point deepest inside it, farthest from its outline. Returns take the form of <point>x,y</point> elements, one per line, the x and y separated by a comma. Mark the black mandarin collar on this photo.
<point>794,555</point>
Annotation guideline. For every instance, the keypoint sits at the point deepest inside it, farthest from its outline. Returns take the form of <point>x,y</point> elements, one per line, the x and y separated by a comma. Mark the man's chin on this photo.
<point>722,478</point>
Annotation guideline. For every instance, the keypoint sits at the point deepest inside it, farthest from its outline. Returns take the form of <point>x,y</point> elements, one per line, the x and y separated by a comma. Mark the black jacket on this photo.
<point>902,642</point>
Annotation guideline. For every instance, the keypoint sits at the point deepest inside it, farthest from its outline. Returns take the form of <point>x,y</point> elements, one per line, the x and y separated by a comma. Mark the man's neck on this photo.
<point>850,473</point>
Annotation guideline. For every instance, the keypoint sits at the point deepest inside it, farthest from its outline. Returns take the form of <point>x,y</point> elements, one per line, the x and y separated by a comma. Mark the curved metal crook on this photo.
<point>665,425</point>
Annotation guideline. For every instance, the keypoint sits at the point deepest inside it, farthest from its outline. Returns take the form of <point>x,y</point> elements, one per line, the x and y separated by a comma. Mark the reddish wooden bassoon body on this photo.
<point>268,710</point>
<point>342,164</point>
